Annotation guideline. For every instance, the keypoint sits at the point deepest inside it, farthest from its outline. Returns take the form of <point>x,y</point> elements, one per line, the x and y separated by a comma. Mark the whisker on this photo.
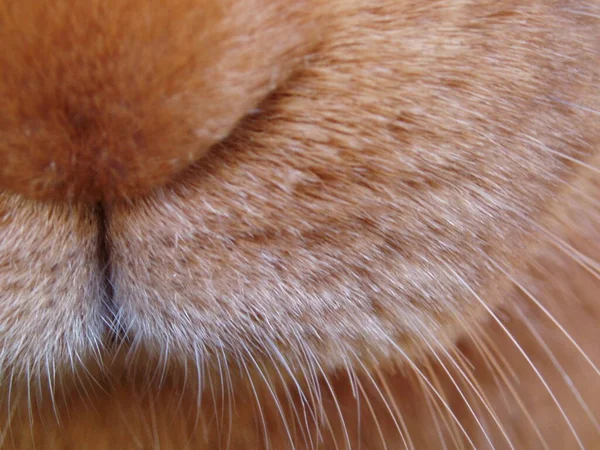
<point>312,378</point>
<point>476,390</point>
<point>258,404</point>
<point>230,404</point>
<point>164,360</point>
<point>435,391</point>
<point>436,423</point>
<point>548,314</point>
<point>387,405</point>
<point>450,425</point>
<point>95,346</point>
<point>352,377</point>
<point>222,391</point>
<point>4,429</point>
<point>567,379</point>
<point>275,399</point>
<point>523,353</point>
<point>132,432</point>
<point>80,386</point>
<point>185,384</point>
<point>314,391</point>
<point>373,414</point>
<point>591,266</point>
<point>304,400</point>
<point>215,407</point>
<point>460,392</point>
<point>485,347</point>
<point>399,414</point>
<point>199,364</point>
<point>290,399</point>
<point>51,387</point>
<point>336,403</point>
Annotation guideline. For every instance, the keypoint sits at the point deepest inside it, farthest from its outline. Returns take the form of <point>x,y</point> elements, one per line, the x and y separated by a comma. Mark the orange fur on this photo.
<point>109,99</point>
<point>389,188</point>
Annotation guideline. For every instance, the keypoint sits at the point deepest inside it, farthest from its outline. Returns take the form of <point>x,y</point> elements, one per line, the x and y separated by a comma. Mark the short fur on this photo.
<point>394,229</point>
<point>154,86</point>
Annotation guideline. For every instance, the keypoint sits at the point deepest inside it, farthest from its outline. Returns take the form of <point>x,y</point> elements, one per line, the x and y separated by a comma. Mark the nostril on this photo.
<point>115,106</point>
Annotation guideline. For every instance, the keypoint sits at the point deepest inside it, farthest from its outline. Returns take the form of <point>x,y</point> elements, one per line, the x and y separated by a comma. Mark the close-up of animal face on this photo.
<point>313,224</point>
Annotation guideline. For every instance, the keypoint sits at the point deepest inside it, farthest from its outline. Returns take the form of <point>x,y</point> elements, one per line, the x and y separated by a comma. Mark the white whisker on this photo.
<point>523,353</point>
<point>199,364</point>
<point>455,432</point>
<point>395,407</point>
<point>548,314</point>
<point>275,399</point>
<point>352,377</point>
<point>51,375</point>
<point>230,405</point>
<point>373,414</point>
<point>258,404</point>
<point>289,397</point>
<point>435,392</point>
<point>387,405</point>
<point>567,379</point>
<point>461,394</point>
<point>215,407</point>
<point>476,390</point>
<point>314,391</point>
<point>336,403</point>
<point>493,361</point>
<point>436,423</point>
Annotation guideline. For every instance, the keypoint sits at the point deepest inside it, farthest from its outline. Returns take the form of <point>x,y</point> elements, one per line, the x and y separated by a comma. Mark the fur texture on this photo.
<point>108,99</point>
<point>392,241</point>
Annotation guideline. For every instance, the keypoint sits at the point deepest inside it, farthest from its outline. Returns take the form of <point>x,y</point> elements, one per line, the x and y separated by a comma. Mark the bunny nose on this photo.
<point>104,99</point>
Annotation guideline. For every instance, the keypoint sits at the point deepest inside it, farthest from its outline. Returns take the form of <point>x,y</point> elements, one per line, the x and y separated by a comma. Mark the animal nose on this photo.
<point>104,99</point>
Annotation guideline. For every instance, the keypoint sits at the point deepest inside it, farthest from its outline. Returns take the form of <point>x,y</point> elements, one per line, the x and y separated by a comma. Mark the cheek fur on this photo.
<point>344,224</point>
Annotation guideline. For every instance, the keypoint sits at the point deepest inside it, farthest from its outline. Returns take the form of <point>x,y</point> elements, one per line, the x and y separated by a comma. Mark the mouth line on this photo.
<point>115,332</point>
